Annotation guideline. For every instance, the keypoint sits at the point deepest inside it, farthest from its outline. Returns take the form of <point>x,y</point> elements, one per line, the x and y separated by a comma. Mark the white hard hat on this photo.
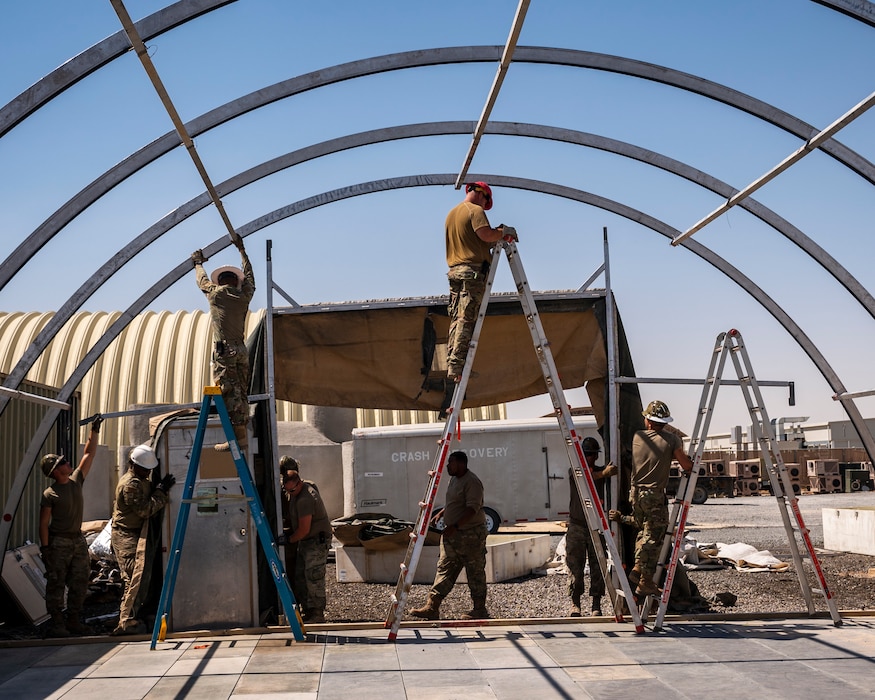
<point>144,456</point>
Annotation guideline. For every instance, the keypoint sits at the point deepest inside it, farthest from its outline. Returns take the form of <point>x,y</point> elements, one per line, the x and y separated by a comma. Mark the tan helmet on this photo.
<point>51,461</point>
<point>657,412</point>
<point>219,271</point>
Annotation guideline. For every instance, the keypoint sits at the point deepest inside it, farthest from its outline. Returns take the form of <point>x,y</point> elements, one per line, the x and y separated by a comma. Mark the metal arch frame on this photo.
<point>415,59</point>
<point>861,10</point>
<point>138,244</point>
<point>97,56</point>
<point>277,215</point>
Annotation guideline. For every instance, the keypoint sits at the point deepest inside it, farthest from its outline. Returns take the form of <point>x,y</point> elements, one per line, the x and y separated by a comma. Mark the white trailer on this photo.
<point>523,465</point>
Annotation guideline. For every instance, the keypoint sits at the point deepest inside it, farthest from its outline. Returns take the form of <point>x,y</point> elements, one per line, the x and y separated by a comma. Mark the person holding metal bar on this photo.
<point>579,545</point>
<point>229,291</point>
<point>62,545</point>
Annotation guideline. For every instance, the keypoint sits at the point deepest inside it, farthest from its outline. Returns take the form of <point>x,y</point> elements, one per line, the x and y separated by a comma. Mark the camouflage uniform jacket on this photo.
<point>136,500</point>
<point>228,304</point>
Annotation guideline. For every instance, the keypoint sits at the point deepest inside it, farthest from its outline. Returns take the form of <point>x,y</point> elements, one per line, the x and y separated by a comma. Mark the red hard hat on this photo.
<point>481,187</point>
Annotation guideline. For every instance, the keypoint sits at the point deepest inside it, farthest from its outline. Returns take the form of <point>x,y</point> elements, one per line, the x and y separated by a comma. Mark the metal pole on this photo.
<point>613,422</point>
<point>813,143</point>
<point>509,48</point>
<point>143,54</point>
<point>271,398</point>
<point>33,398</point>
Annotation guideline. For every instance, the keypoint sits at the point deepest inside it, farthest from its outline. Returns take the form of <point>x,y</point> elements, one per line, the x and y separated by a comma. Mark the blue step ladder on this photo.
<point>213,395</point>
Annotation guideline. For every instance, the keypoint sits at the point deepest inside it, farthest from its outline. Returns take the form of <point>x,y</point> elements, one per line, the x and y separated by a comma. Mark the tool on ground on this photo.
<point>213,395</point>
<point>618,585</point>
<point>731,344</point>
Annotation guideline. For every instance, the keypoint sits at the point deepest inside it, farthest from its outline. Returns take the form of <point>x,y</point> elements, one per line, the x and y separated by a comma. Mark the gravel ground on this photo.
<point>547,595</point>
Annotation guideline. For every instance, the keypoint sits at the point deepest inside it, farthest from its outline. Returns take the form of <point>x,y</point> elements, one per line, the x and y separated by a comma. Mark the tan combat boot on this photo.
<point>58,626</point>
<point>479,612</point>
<point>242,436</point>
<point>431,610</point>
<point>575,607</point>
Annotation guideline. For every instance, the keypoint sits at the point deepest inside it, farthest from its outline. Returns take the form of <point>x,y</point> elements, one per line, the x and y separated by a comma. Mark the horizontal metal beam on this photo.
<point>33,398</point>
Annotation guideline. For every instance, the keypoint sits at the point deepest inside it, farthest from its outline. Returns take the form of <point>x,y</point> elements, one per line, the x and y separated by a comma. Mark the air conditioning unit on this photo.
<point>745,468</point>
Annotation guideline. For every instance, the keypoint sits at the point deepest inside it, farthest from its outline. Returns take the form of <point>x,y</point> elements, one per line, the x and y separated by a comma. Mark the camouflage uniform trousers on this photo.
<point>651,518</point>
<point>464,550</point>
<point>578,549</point>
<point>231,374</point>
<point>67,566</point>
<point>467,287</point>
<point>309,581</point>
<point>129,548</point>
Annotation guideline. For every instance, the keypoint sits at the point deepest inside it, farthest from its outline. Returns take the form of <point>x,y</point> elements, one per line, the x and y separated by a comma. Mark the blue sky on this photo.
<point>799,56</point>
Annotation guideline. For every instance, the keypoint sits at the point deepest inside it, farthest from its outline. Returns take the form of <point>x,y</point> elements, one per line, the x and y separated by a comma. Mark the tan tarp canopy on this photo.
<point>372,354</point>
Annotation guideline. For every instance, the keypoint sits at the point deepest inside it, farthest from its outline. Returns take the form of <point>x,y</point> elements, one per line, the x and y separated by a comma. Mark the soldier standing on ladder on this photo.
<point>229,292</point>
<point>468,239</point>
<point>652,452</point>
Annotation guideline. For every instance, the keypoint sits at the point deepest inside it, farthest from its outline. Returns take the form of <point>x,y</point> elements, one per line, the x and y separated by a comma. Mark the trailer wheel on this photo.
<point>493,520</point>
<point>700,495</point>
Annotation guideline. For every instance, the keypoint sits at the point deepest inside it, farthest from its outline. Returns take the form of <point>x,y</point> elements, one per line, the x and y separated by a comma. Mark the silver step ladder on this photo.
<point>213,395</point>
<point>426,505</point>
<point>731,344</point>
<point>611,566</point>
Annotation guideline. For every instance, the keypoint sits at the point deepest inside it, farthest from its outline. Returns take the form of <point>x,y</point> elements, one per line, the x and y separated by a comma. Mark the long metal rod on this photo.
<point>33,398</point>
<point>613,427</point>
<point>143,54</point>
<point>506,57</point>
<point>657,380</point>
<point>812,143</point>
<point>851,395</point>
<point>271,393</point>
<point>163,408</point>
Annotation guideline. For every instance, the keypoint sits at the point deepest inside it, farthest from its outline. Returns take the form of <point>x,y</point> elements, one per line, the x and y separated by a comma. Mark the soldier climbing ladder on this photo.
<point>611,566</point>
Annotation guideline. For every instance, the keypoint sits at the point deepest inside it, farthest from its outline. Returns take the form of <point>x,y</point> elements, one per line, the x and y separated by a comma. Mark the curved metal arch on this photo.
<point>184,268</point>
<point>138,244</point>
<point>861,10</point>
<point>97,56</point>
<point>414,59</point>
<point>107,50</point>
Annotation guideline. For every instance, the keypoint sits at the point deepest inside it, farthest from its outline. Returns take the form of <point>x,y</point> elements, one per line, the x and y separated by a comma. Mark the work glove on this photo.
<point>237,241</point>
<point>615,515</point>
<point>198,257</point>
<point>96,423</point>
<point>44,552</point>
<point>167,482</point>
<point>609,470</point>
<point>509,234</point>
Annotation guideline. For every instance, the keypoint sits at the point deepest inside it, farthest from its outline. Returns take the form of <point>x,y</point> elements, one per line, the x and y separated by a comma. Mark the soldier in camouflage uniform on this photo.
<point>136,501</point>
<point>62,546</point>
<point>310,530</point>
<point>652,452</point>
<point>468,239</point>
<point>578,542</point>
<point>463,542</point>
<point>229,292</point>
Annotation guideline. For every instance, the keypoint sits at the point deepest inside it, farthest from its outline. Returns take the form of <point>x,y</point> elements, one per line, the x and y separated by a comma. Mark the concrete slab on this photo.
<point>774,660</point>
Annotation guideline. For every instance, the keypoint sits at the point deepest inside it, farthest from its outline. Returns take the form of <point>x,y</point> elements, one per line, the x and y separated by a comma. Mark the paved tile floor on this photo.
<point>797,659</point>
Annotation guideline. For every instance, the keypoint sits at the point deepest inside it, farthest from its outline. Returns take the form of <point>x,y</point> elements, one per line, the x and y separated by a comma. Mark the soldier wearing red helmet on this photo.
<point>469,238</point>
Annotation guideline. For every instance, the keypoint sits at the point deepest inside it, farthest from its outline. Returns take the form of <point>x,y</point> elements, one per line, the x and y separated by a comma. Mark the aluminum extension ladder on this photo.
<point>619,588</point>
<point>212,394</point>
<point>731,344</point>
